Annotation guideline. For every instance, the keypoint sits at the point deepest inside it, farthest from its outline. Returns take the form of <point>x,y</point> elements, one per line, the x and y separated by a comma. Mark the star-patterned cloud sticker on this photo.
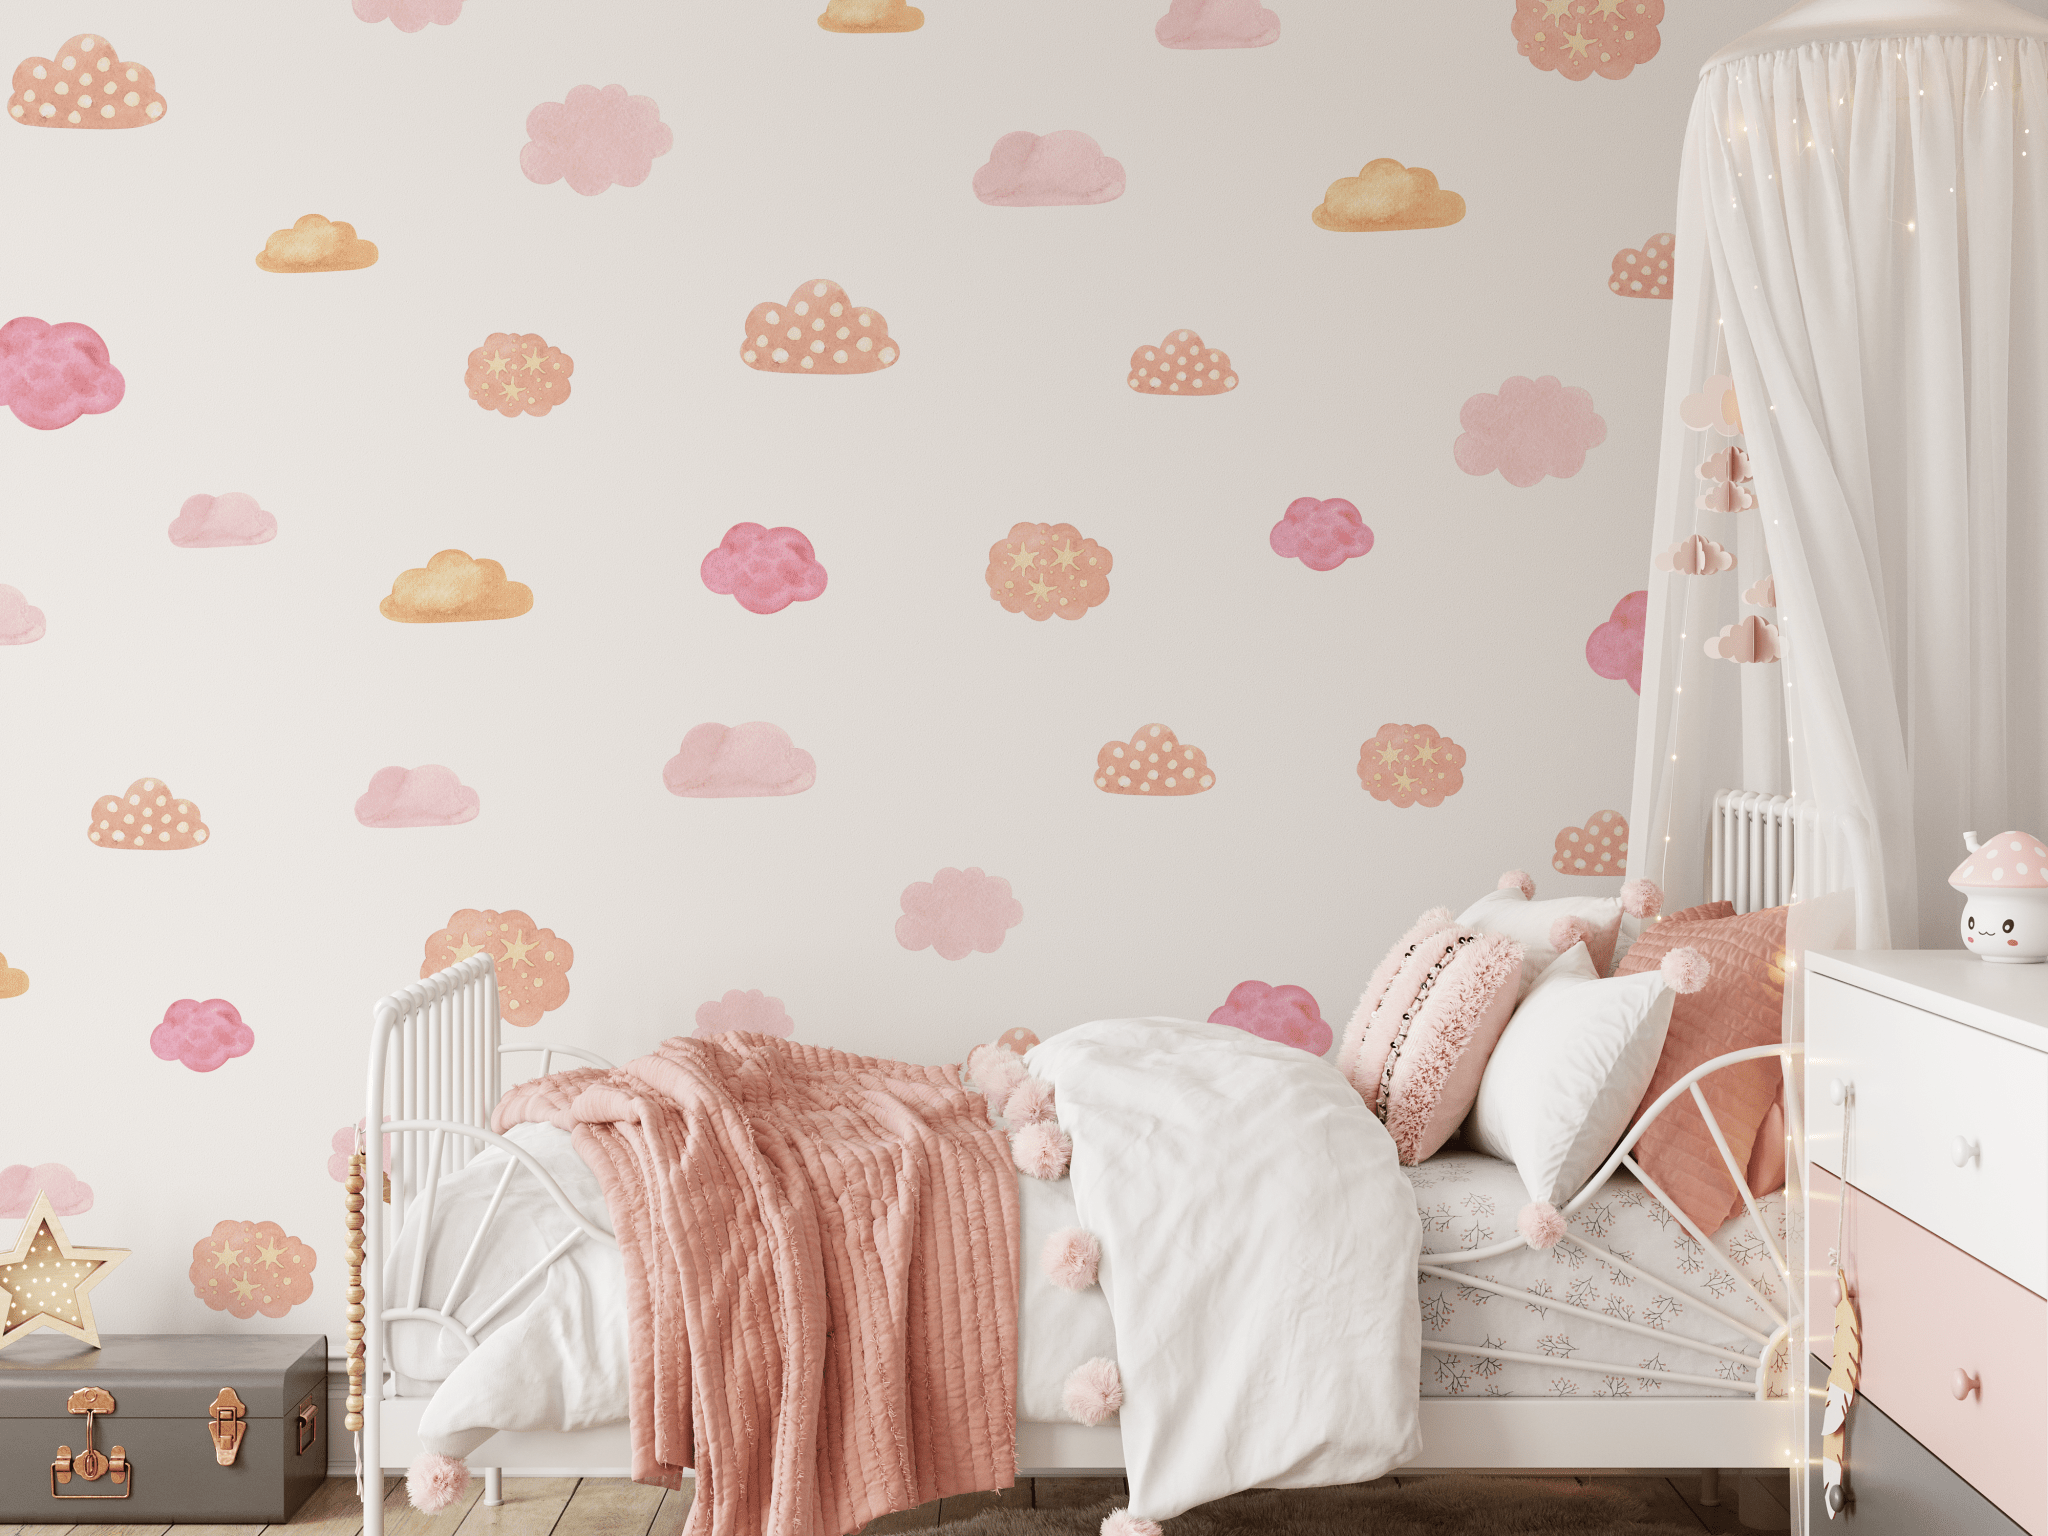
<point>47,1280</point>
<point>246,1267</point>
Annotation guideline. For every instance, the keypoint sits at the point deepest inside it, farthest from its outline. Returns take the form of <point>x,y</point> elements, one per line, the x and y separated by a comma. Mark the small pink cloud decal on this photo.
<point>1288,1015</point>
<point>595,139</point>
<point>1322,535</point>
<point>1029,170</point>
<point>50,375</point>
<point>201,1035</point>
<point>20,624</point>
<point>767,569</point>
<point>221,522</point>
<point>1696,555</point>
<point>956,912</point>
<point>1750,639</point>
<point>19,1185</point>
<point>409,15</point>
<point>750,1011</point>
<point>1714,408</point>
<point>719,762</point>
<point>1532,428</point>
<point>1217,24</point>
<point>1615,649</point>
<point>427,796</point>
<point>1764,593</point>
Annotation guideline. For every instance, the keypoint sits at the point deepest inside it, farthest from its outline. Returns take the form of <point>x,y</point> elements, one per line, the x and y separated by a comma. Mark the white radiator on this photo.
<point>1763,846</point>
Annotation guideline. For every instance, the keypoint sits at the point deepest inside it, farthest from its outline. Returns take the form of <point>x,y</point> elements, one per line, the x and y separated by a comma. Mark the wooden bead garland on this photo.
<point>354,1201</point>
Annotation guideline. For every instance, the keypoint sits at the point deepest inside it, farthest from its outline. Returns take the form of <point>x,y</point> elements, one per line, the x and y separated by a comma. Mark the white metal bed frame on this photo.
<point>435,1076</point>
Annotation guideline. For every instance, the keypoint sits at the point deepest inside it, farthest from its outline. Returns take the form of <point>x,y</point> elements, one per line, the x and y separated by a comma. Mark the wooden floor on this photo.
<point>567,1506</point>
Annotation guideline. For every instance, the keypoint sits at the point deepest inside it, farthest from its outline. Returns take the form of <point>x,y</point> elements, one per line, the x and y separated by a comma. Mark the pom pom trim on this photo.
<point>1642,898</point>
<point>1042,1150</point>
<point>1029,1102</point>
<point>434,1481</point>
<point>1093,1391</point>
<point>1121,1522</point>
<point>1540,1225</point>
<point>1685,970</point>
<point>1518,880</point>
<point>1569,930</point>
<point>1072,1259</point>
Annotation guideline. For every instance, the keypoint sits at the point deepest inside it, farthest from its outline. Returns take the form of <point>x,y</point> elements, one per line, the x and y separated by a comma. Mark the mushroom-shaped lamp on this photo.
<point>2006,880</point>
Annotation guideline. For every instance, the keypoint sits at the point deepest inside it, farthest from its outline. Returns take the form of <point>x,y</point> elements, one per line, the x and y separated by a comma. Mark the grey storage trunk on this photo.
<point>164,1389</point>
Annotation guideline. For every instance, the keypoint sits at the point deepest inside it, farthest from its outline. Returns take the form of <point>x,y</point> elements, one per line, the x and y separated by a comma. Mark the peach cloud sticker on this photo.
<point>1764,593</point>
<point>957,912</point>
<point>427,796</point>
<point>1578,38</point>
<point>750,1011</point>
<point>1152,763</point>
<point>246,1267</point>
<point>517,375</point>
<point>1217,24</point>
<point>870,16</point>
<point>1696,556</point>
<point>1385,195</point>
<point>1600,847</point>
<point>1322,535</point>
<point>1029,170</point>
<point>1532,428</point>
<point>1411,765</point>
<point>20,1184</point>
<point>50,375</point>
<point>149,817</point>
<point>316,244</point>
<point>1615,649</point>
<point>722,762</point>
<point>1181,365</point>
<point>20,623</point>
<point>409,15</point>
<point>1043,569</point>
<point>820,330</point>
<point>1714,408</point>
<point>85,86</point>
<point>454,589</point>
<point>767,569</point>
<point>1288,1015</point>
<point>13,982</point>
<point>204,1036</point>
<point>1750,639</point>
<point>1644,274</point>
<point>594,139</point>
<point>533,965</point>
<point>221,522</point>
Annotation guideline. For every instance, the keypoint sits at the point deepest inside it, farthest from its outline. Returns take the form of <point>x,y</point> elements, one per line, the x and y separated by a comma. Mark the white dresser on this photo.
<point>1942,1060</point>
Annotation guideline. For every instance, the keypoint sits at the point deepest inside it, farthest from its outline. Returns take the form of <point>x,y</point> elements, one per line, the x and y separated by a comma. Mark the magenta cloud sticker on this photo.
<point>1288,1015</point>
<point>1322,535</point>
<point>1217,24</point>
<point>1532,428</point>
<point>50,375</point>
<point>409,15</point>
<point>20,1184</point>
<point>221,522</point>
<point>751,1011</point>
<point>201,1035</point>
<point>1029,170</point>
<point>1615,649</point>
<point>720,762</point>
<point>427,796</point>
<point>20,623</point>
<point>957,912</point>
<point>767,569</point>
<point>595,139</point>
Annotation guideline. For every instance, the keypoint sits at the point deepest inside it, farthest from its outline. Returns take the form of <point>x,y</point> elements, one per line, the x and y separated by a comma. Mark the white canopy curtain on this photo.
<point>1862,245</point>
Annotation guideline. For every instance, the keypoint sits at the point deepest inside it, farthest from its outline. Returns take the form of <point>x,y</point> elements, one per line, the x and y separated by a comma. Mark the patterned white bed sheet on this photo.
<point>1469,1201</point>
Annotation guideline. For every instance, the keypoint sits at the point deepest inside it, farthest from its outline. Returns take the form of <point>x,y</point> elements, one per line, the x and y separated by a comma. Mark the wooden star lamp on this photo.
<point>46,1280</point>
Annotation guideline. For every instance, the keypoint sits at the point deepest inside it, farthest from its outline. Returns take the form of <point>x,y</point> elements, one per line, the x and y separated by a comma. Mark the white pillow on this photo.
<point>1612,923</point>
<point>1569,1072</point>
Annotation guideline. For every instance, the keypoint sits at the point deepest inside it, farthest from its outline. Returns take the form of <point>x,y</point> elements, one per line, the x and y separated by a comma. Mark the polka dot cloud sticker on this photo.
<point>820,330</point>
<point>148,816</point>
<point>1181,365</point>
<point>1600,847</point>
<point>1152,763</point>
<point>86,85</point>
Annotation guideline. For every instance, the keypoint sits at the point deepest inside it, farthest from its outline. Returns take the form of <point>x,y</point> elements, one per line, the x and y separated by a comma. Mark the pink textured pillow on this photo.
<point>1430,1016</point>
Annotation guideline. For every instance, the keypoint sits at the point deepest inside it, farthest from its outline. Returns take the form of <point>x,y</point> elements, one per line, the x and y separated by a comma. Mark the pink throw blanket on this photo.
<point>821,1269</point>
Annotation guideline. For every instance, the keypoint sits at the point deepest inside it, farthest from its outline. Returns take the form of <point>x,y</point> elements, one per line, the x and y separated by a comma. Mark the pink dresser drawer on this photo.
<point>1928,1310</point>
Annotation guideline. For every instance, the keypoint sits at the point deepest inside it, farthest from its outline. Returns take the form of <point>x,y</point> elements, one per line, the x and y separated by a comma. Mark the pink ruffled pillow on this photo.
<point>1430,1016</point>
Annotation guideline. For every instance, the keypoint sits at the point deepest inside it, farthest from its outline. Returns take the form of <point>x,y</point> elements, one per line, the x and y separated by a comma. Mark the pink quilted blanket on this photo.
<point>821,1267</point>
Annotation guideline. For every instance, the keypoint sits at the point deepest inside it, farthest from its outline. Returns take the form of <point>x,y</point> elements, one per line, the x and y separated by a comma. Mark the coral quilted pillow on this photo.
<point>1742,1005</point>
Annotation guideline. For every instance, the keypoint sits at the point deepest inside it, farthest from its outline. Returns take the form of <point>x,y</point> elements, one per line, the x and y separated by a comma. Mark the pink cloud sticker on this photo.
<point>1532,428</point>
<point>750,1011</point>
<point>1580,38</point>
<point>409,15</point>
<point>719,762</point>
<point>20,624</point>
<point>767,569</point>
<point>427,796</point>
<point>1750,639</point>
<point>201,1035</point>
<point>1217,24</point>
<point>1322,535</point>
<point>19,1185</point>
<point>1288,1015</point>
<point>1029,170</point>
<point>342,1146</point>
<point>50,375</point>
<point>956,912</point>
<point>595,139</point>
<point>1696,555</point>
<point>221,522</point>
<point>1615,649</point>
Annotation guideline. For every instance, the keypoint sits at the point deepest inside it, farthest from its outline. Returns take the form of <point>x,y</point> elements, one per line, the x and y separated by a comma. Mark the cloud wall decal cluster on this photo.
<point>1600,847</point>
<point>1030,170</point>
<point>1407,765</point>
<point>244,1268</point>
<point>1615,648</point>
<point>451,588</point>
<point>1181,365</point>
<point>1217,24</point>
<point>1154,764</point>
<point>870,16</point>
<point>1287,1014</point>
<point>1322,535</point>
<point>1045,569</point>
<point>427,796</point>
<point>1532,428</point>
<point>316,244</point>
<point>820,330</point>
<point>751,1011</point>
<point>958,912</point>
<point>1387,195</point>
<point>1643,274</point>
<point>84,84</point>
<point>20,1184</point>
<point>13,980</point>
<point>222,522</point>
<point>764,569</point>
<point>518,375</point>
<point>21,622</point>
<point>203,1036</point>
<point>723,762</point>
<point>148,818</point>
<point>1582,38</point>
<point>531,961</point>
<point>410,15</point>
<point>595,140</point>
<point>50,375</point>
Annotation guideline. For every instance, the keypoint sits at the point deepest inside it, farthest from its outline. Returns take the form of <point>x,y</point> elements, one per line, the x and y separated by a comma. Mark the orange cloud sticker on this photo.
<point>533,965</point>
<point>1043,569</point>
<point>820,330</point>
<point>1644,274</point>
<point>316,244</point>
<point>1600,847</point>
<point>454,589</point>
<point>1696,556</point>
<point>245,1267</point>
<point>1750,639</point>
<point>1388,195</point>
<point>870,16</point>
<point>149,817</point>
<point>85,86</point>
<point>517,375</point>
<point>12,982</point>
<point>1411,765</point>
<point>1152,763</point>
<point>1181,365</point>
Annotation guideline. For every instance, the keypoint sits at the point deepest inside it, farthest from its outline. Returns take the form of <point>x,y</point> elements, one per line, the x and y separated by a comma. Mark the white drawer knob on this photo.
<point>1839,1090</point>
<point>1965,1152</point>
<point>1965,1384</point>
